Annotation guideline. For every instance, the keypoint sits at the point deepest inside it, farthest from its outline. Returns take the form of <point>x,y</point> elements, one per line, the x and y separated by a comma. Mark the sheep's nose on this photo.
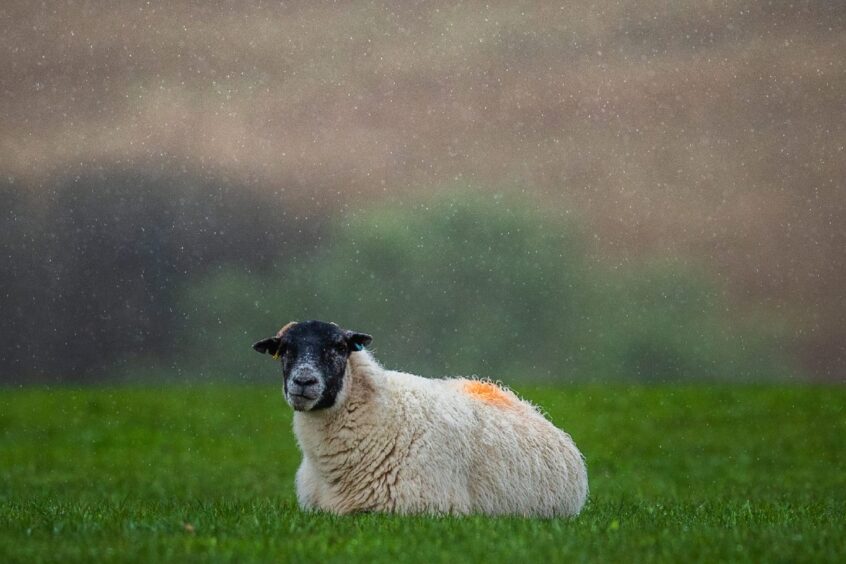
<point>304,381</point>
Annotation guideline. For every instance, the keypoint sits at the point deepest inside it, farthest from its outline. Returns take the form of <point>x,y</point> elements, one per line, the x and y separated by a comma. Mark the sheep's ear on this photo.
<point>273,345</point>
<point>269,346</point>
<point>358,341</point>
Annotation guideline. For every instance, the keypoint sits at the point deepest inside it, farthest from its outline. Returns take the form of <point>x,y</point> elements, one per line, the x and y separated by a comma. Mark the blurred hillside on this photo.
<point>709,130</point>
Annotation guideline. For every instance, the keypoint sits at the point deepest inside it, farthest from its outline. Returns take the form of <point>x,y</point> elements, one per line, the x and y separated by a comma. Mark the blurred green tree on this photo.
<point>474,284</point>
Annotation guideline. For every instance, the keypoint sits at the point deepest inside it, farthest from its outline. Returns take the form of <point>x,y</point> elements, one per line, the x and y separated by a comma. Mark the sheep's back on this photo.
<point>481,449</point>
<point>521,462</point>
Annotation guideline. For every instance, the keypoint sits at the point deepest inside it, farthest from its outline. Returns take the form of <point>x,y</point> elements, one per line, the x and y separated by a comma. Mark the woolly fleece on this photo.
<point>395,442</point>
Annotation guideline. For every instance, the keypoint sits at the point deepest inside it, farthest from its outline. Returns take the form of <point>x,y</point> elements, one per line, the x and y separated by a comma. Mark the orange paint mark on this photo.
<point>488,392</point>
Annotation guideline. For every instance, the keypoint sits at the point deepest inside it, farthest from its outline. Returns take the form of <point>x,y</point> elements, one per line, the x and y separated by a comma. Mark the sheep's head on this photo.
<point>314,358</point>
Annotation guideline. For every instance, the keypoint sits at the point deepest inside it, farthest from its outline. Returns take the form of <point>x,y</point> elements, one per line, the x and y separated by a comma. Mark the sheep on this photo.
<point>377,440</point>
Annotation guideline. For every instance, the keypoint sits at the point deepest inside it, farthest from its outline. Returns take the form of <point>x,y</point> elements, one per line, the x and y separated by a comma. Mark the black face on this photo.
<point>314,358</point>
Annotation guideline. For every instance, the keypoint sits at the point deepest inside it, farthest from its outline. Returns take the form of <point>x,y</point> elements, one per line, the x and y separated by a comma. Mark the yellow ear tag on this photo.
<point>276,355</point>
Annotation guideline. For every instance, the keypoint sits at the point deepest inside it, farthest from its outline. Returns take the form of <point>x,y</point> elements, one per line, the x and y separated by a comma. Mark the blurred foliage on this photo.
<point>482,285</point>
<point>95,262</point>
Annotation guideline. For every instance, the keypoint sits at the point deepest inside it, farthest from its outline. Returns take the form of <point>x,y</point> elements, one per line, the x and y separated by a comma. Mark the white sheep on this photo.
<point>379,440</point>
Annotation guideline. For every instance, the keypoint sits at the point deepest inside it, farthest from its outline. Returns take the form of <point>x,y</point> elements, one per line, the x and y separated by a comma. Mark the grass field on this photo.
<point>206,473</point>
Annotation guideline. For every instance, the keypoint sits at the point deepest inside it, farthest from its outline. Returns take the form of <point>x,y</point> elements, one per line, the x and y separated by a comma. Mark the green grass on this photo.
<point>206,473</point>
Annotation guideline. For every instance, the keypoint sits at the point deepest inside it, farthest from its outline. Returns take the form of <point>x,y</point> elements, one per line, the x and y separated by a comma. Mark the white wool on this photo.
<point>395,442</point>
